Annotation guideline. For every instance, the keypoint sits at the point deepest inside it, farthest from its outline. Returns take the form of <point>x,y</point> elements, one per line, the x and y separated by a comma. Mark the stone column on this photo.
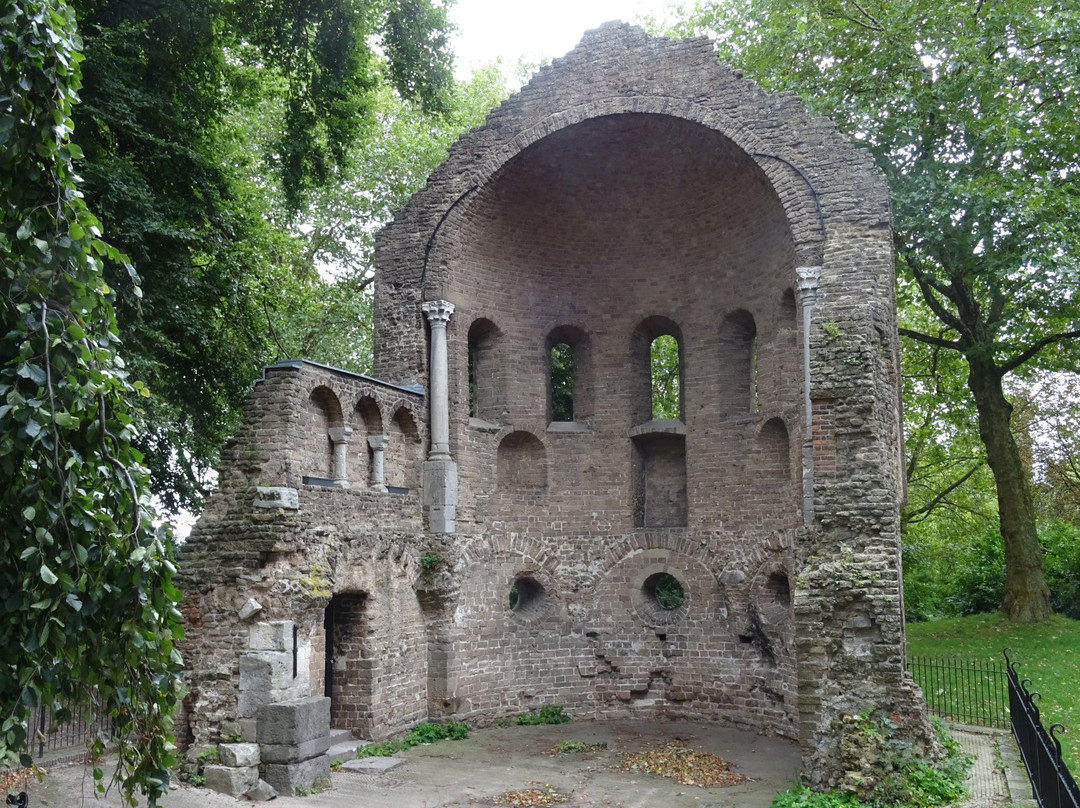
<point>440,470</point>
<point>807,286</point>
<point>438,313</point>
<point>378,445</point>
<point>339,436</point>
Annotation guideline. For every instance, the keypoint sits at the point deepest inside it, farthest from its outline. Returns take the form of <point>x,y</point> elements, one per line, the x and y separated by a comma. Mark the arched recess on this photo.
<point>738,364</point>
<point>486,372</point>
<point>322,413</point>
<point>772,452</point>
<point>404,453</point>
<point>370,417</point>
<point>645,365</point>
<point>570,374</point>
<point>522,462</point>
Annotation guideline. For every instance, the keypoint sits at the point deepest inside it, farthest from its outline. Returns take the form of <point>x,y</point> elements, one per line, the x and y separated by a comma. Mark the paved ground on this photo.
<point>454,774</point>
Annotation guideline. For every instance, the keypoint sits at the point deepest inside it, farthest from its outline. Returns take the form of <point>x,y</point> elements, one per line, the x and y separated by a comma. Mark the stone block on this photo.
<point>265,677</point>
<point>292,723</point>
<point>269,496</point>
<point>294,753</point>
<point>231,780</point>
<point>261,792</point>
<point>275,636</point>
<point>248,730</point>
<point>250,608</point>
<point>238,754</point>
<point>372,765</point>
<point>285,777</point>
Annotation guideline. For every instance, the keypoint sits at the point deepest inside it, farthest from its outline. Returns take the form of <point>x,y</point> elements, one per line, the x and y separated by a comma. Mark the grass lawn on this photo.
<point>1048,655</point>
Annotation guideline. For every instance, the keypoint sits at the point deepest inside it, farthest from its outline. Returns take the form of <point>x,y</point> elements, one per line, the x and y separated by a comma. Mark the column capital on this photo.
<point>809,278</point>
<point>339,434</point>
<point>438,311</point>
<point>378,443</point>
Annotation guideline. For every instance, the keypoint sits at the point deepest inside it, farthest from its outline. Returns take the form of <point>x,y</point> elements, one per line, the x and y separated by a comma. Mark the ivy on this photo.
<point>88,612</point>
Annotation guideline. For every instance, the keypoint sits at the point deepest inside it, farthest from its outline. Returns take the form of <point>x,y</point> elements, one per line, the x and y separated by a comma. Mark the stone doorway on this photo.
<point>347,667</point>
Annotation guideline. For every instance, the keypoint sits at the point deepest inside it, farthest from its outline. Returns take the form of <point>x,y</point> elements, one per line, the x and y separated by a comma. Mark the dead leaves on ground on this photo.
<point>684,765</point>
<point>531,796</point>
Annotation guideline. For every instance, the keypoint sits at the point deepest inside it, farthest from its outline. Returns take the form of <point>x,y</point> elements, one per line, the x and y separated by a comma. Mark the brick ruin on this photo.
<point>484,529</point>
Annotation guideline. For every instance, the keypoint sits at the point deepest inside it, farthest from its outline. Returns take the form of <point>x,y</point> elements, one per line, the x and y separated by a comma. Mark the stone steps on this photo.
<point>343,745</point>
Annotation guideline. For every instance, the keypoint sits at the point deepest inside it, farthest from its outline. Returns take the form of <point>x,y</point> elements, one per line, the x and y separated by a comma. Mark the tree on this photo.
<point>167,167</point>
<point>970,111</point>
<point>323,311</point>
<point>87,607</point>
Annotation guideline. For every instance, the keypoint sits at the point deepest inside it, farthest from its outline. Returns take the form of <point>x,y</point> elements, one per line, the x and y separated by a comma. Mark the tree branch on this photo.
<point>1035,347</point>
<point>927,339</point>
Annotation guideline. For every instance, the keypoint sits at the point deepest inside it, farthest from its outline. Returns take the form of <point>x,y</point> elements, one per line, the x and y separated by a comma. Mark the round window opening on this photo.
<point>665,590</point>
<point>527,597</point>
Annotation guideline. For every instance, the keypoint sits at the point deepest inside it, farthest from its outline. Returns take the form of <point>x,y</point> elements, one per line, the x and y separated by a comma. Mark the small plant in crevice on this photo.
<point>548,714</point>
<point>204,758</point>
<point>430,561</point>
<point>427,732</point>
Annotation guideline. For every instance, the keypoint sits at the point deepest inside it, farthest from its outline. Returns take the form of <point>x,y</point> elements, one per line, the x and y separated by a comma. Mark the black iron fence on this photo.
<point>48,736</point>
<point>965,690</point>
<point>1051,782</point>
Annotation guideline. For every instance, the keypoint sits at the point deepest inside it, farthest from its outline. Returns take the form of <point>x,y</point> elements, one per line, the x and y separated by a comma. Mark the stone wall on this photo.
<point>634,189</point>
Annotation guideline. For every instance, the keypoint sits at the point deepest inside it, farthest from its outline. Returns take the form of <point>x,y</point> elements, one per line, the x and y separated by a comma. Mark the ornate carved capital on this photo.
<point>809,278</point>
<point>438,312</point>
<point>378,443</point>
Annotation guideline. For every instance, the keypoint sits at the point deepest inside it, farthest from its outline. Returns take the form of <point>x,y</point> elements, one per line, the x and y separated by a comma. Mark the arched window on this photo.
<point>568,374</point>
<point>665,376</point>
<point>657,368</point>
<point>562,382</point>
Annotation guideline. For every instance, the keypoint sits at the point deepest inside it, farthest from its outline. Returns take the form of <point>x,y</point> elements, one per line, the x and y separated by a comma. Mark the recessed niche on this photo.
<point>659,480</point>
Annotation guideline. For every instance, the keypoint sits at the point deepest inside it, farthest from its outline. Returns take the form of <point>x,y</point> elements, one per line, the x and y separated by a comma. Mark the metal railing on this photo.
<point>1051,782</point>
<point>47,736</point>
<point>969,691</point>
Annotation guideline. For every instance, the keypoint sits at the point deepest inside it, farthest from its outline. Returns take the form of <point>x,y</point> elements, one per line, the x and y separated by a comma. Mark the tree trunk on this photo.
<point>1026,598</point>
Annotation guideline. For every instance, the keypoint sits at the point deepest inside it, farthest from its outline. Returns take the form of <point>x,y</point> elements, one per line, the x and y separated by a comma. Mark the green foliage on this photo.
<point>802,797</point>
<point>1049,655</point>
<point>900,777</point>
<point>967,575</point>
<point>210,129</point>
<point>430,560</point>
<point>668,591</point>
<point>548,714</point>
<point>562,382</point>
<point>427,732</point>
<point>666,376</point>
<point>88,614</point>
<point>968,111</point>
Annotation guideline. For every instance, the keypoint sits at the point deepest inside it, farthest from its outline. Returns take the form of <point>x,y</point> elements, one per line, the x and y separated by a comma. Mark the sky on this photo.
<point>511,29</point>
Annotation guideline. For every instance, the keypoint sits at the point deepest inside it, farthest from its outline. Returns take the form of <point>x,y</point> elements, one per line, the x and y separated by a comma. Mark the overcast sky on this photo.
<point>535,29</point>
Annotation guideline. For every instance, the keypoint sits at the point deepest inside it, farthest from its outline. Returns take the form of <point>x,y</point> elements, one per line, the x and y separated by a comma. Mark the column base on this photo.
<point>440,494</point>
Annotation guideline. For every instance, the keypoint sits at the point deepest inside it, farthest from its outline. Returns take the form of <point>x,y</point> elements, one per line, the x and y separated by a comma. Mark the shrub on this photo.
<point>548,714</point>
<point>427,732</point>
